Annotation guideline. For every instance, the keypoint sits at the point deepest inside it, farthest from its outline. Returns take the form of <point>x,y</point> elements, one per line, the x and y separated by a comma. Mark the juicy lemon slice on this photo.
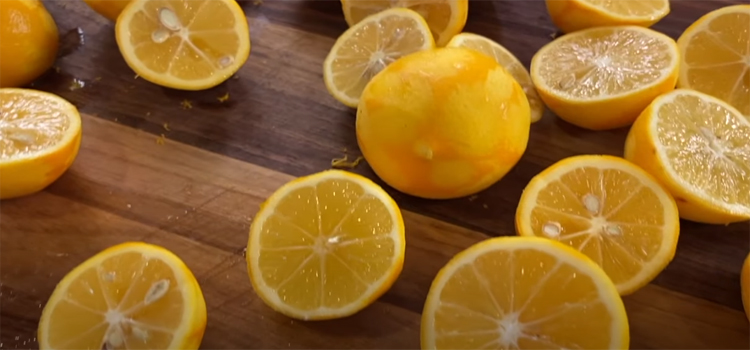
<point>508,61</point>
<point>572,15</point>
<point>130,296</point>
<point>446,18</point>
<point>608,209</point>
<point>698,147</point>
<point>369,46</point>
<point>715,53</point>
<point>184,44</point>
<point>40,134</point>
<point>602,78</point>
<point>523,293</point>
<point>325,246</point>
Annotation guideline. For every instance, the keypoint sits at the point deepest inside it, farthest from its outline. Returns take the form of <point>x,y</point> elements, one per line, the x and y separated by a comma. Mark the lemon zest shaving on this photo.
<point>345,163</point>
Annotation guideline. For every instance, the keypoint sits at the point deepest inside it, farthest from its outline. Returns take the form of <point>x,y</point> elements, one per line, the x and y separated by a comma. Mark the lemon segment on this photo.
<point>40,134</point>
<point>132,295</point>
<point>508,61</point>
<point>573,15</point>
<point>602,78</point>
<point>184,44</point>
<point>699,147</point>
<point>369,46</point>
<point>715,52</point>
<point>523,293</point>
<point>610,210</point>
<point>325,246</point>
<point>446,18</point>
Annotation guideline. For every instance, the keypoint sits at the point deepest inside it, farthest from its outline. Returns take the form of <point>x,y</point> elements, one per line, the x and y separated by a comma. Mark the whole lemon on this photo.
<point>108,8</point>
<point>28,41</point>
<point>443,123</point>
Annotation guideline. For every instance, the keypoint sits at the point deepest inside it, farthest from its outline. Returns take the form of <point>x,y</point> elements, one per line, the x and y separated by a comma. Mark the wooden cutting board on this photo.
<point>187,171</point>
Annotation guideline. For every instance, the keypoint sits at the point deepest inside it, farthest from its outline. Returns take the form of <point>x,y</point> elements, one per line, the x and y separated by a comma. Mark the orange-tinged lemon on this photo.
<point>370,45</point>
<point>130,296</point>
<point>698,147</point>
<point>602,78</point>
<point>607,208</point>
<point>40,134</point>
<point>110,9</point>
<point>184,44</point>
<point>446,18</point>
<point>573,15</point>
<point>325,246</point>
<point>745,286</point>
<point>28,41</point>
<point>443,123</point>
<point>506,59</point>
<point>715,53</point>
<point>523,293</point>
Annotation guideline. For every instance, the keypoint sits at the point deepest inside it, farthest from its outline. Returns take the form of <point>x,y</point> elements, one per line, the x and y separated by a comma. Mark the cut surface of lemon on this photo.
<point>40,134</point>
<point>602,78</point>
<point>508,61</point>
<point>184,44</point>
<point>715,53</point>
<point>523,293</point>
<point>607,208</point>
<point>573,15</point>
<point>367,47</point>
<point>446,18</point>
<point>698,147</point>
<point>325,246</point>
<point>130,296</point>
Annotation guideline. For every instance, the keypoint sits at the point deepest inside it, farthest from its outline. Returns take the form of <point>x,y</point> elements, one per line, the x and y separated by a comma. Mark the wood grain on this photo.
<point>197,195</point>
<point>126,187</point>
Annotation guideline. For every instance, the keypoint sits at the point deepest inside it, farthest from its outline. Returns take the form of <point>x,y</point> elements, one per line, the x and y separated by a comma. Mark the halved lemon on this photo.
<point>508,61</point>
<point>715,53</point>
<point>40,134</point>
<point>130,296</point>
<point>369,46</point>
<point>572,15</point>
<point>184,44</point>
<point>325,246</point>
<point>523,293</point>
<point>607,208</point>
<point>602,78</point>
<point>698,147</point>
<point>446,18</point>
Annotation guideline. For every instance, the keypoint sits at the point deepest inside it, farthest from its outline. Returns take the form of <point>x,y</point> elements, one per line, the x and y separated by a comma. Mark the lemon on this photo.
<point>29,42</point>
<point>698,147</point>
<point>110,9</point>
<point>506,59</point>
<point>745,286</point>
<point>607,208</point>
<point>523,293</point>
<point>184,44</point>
<point>599,79</point>
<point>446,18</point>
<point>370,45</point>
<point>325,246</point>
<point>715,52</point>
<point>443,123</point>
<point>573,15</point>
<point>40,134</point>
<point>132,295</point>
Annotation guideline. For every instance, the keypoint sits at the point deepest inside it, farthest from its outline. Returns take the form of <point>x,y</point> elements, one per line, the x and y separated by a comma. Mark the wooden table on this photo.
<point>190,179</point>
